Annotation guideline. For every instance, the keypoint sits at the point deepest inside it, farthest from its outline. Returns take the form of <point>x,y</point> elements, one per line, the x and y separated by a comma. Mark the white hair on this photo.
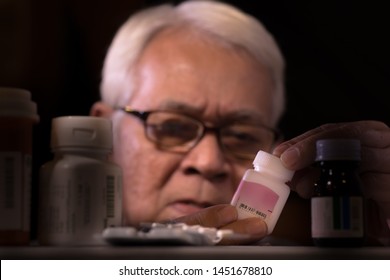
<point>218,19</point>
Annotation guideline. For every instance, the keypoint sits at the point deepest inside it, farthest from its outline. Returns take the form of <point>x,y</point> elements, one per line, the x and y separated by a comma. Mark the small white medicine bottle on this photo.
<point>262,191</point>
<point>80,189</point>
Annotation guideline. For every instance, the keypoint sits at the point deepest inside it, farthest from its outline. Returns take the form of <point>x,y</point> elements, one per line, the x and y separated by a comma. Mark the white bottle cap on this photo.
<point>17,103</point>
<point>271,164</point>
<point>81,132</point>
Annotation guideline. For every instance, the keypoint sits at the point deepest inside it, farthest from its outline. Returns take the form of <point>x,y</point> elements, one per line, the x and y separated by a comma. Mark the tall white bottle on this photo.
<point>80,190</point>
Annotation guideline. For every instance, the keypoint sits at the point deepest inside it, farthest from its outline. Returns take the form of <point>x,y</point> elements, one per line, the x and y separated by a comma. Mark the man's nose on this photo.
<point>207,159</point>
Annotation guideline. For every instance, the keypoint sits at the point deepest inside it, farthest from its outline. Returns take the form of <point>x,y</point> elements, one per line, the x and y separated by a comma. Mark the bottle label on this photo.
<point>113,196</point>
<point>15,191</point>
<point>337,217</point>
<point>76,210</point>
<point>255,200</point>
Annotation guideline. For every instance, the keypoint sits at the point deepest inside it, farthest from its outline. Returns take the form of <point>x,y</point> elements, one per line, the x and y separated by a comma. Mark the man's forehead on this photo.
<point>227,93</point>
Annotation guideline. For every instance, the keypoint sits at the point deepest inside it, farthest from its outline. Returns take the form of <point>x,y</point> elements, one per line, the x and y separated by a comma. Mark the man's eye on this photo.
<point>175,129</point>
<point>170,127</point>
<point>241,136</point>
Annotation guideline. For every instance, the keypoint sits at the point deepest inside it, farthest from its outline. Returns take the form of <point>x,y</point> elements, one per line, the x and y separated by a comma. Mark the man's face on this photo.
<point>208,82</point>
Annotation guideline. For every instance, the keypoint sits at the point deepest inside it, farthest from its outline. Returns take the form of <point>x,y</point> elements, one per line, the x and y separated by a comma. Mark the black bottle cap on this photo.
<point>338,149</point>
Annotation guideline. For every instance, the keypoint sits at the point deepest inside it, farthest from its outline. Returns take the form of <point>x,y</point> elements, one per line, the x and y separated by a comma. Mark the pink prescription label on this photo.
<point>253,199</point>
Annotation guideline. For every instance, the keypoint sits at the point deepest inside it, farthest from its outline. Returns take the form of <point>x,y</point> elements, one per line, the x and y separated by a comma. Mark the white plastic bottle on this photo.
<point>80,190</point>
<point>263,191</point>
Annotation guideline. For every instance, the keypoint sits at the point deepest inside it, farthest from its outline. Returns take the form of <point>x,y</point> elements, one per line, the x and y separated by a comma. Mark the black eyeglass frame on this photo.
<point>143,116</point>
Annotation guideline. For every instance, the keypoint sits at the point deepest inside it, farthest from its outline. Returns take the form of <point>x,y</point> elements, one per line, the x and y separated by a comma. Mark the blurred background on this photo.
<point>337,55</point>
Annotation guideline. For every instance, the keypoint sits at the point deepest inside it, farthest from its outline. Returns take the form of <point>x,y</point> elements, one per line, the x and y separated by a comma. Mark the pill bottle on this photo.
<point>80,189</point>
<point>262,191</point>
<point>337,214</point>
<point>18,115</point>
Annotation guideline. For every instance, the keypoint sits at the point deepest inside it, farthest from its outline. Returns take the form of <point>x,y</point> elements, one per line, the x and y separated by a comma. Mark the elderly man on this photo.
<point>194,91</point>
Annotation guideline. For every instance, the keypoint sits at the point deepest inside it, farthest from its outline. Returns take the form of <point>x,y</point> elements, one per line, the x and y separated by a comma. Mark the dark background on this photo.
<point>336,52</point>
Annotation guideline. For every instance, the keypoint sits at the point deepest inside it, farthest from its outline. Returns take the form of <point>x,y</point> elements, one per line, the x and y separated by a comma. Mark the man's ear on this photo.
<point>100,109</point>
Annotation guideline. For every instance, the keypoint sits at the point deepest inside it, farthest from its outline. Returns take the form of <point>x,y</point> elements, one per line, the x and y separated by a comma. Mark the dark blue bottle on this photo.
<point>337,205</point>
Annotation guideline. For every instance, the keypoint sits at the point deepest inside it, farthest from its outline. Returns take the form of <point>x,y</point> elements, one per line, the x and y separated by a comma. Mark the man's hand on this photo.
<point>299,154</point>
<point>224,216</point>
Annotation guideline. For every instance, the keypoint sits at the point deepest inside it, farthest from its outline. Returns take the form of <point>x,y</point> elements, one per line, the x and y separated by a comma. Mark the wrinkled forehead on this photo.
<point>185,66</point>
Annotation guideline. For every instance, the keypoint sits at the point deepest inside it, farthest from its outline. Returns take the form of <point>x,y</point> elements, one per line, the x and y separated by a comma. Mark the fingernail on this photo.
<point>228,214</point>
<point>290,157</point>
<point>256,227</point>
<point>280,149</point>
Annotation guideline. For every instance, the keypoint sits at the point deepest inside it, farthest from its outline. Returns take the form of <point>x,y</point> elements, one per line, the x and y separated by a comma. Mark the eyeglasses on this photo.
<point>178,132</point>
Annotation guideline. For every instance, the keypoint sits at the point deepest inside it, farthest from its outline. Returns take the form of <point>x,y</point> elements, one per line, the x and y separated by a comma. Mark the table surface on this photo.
<point>193,252</point>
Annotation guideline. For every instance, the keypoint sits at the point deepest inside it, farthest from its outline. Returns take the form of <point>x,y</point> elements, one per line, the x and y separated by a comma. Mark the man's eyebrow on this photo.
<point>178,106</point>
<point>245,116</point>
